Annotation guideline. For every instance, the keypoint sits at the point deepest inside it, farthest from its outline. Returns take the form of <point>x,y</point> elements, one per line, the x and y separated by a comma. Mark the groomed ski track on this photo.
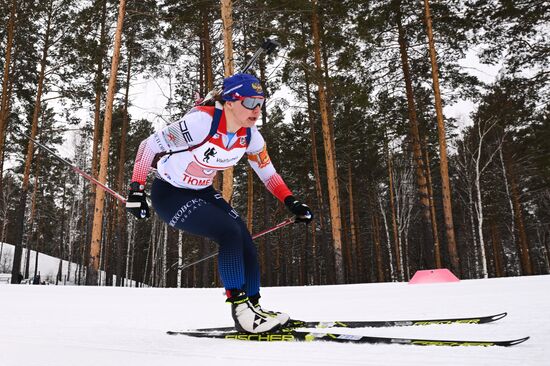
<point>49,325</point>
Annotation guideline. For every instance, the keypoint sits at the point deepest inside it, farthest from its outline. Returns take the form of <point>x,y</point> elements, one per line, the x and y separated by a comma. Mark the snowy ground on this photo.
<point>47,267</point>
<point>68,325</point>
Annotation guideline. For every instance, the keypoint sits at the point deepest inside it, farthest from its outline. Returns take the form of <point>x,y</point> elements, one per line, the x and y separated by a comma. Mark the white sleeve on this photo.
<point>191,130</point>
<point>259,160</point>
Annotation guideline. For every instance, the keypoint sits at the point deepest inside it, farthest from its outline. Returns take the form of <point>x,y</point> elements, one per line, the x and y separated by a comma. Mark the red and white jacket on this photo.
<point>195,169</point>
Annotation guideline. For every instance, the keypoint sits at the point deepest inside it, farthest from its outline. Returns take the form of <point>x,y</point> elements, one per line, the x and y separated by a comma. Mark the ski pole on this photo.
<point>288,221</point>
<point>80,171</point>
<point>268,46</point>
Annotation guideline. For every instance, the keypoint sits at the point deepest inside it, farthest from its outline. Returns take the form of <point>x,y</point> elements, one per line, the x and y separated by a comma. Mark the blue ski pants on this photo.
<point>205,213</point>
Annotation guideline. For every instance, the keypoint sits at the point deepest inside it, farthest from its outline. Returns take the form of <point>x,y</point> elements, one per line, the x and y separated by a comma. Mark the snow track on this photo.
<point>66,325</point>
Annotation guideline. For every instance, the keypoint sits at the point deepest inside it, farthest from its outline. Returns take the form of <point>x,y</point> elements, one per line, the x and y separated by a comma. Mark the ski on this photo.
<point>292,335</point>
<point>393,323</point>
<point>293,324</point>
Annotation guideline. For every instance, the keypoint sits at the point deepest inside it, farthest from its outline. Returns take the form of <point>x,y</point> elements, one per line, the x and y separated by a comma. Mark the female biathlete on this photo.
<point>192,150</point>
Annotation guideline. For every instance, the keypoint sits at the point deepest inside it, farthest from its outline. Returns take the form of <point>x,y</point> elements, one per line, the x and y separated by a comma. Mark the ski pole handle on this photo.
<point>269,46</point>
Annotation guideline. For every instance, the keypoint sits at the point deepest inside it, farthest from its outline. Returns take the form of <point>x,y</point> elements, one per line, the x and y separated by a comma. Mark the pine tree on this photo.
<point>93,266</point>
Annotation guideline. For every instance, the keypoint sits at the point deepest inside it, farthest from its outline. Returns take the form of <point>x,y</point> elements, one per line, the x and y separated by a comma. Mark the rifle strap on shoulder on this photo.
<point>216,118</point>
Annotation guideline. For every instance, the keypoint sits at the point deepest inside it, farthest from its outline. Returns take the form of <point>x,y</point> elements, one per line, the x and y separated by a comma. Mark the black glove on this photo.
<point>136,203</point>
<point>302,212</point>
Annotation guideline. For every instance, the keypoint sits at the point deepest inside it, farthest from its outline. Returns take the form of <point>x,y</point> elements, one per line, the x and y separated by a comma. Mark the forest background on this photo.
<point>359,134</point>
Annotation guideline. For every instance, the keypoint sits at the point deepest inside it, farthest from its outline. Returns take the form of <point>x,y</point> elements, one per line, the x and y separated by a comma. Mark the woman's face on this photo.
<point>243,116</point>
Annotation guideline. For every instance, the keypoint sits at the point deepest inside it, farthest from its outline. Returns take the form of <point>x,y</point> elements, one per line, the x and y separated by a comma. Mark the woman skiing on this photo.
<point>192,150</point>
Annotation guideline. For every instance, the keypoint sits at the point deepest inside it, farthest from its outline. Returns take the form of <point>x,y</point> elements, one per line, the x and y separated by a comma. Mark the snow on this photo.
<point>78,325</point>
<point>48,266</point>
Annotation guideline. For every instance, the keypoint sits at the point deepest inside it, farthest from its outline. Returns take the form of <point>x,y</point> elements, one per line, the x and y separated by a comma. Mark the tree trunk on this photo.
<point>108,256</point>
<point>393,276</point>
<point>61,253</point>
<point>443,164</point>
<point>28,161</point>
<point>511,204</point>
<point>82,250</point>
<point>180,257</point>
<point>305,258</point>
<point>4,103</point>
<point>120,218</point>
<point>203,266</point>
<point>93,266</point>
<point>346,252</point>
<point>36,254</point>
<point>437,246</point>
<point>149,252</point>
<point>164,256</point>
<point>403,179</point>
<point>264,252</point>
<point>479,205</point>
<point>129,252</point>
<point>330,155</point>
<point>98,88</point>
<point>352,225</point>
<point>497,246</point>
<point>207,67</point>
<point>428,257</point>
<point>320,211</point>
<point>395,230</point>
<point>207,51</point>
<point>472,216</point>
<point>482,131</point>
<point>227,18</point>
<point>277,266</point>
<point>376,239</point>
<point>6,195</point>
<point>523,243</point>
<point>31,221</point>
